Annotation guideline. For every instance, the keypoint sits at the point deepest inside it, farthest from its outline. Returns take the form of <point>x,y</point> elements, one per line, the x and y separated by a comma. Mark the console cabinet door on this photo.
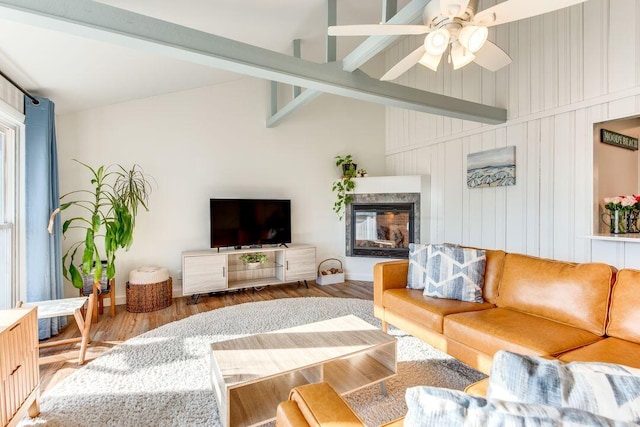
<point>203,273</point>
<point>300,264</point>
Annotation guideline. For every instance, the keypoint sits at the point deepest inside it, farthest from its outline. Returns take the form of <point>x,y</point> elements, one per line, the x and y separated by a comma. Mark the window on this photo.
<point>8,212</point>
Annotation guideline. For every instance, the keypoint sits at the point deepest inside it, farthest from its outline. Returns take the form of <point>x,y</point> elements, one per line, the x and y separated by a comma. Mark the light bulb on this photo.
<point>473,37</point>
<point>436,42</point>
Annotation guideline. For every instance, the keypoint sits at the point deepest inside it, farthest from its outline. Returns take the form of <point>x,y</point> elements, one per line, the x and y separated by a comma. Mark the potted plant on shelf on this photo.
<point>253,260</point>
<point>107,220</point>
<point>344,186</point>
<point>348,167</point>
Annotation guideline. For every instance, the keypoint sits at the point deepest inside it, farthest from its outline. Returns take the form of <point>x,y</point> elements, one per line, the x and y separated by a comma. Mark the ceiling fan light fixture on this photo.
<point>436,42</point>
<point>473,37</point>
<point>430,61</point>
<point>460,56</point>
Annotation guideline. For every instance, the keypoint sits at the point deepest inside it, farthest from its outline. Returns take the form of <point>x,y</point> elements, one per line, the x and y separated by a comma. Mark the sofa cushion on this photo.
<point>574,294</point>
<point>432,406</point>
<point>604,389</point>
<point>426,311</point>
<point>624,314</point>
<point>608,350</point>
<point>493,274</point>
<point>502,329</point>
<point>455,272</point>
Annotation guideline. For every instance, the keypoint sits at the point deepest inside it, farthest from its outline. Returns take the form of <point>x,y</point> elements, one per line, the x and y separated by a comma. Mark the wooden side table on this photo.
<point>67,307</point>
<point>110,293</point>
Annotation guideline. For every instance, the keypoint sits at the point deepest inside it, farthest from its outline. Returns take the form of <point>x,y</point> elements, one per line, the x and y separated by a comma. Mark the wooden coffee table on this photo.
<point>251,375</point>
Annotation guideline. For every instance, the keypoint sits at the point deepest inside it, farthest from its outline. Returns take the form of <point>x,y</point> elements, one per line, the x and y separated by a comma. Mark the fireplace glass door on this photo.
<point>382,230</point>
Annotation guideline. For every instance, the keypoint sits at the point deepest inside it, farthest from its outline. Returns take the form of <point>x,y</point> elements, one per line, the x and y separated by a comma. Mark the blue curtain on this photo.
<point>43,250</point>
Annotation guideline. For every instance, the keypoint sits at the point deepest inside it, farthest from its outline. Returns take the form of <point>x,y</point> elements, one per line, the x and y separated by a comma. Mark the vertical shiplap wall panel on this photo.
<point>547,165</point>
<point>524,68</point>
<point>536,64</point>
<point>583,179</point>
<point>453,182</point>
<point>488,201</point>
<point>516,200</point>
<point>594,50</point>
<point>576,71</point>
<point>438,195</point>
<point>563,195</point>
<point>622,53</point>
<point>550,60</point>
<point>500,202</point>
<point>466,205</point>
<point>502,80</point>
<point>475,200</point>
<point>563,28</point>
<point>564,77</point>
<point>530,183</point>
<point>513,69</point>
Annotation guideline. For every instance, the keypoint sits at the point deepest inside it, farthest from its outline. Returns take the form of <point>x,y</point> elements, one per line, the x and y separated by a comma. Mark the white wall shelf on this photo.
<point>626,237</point>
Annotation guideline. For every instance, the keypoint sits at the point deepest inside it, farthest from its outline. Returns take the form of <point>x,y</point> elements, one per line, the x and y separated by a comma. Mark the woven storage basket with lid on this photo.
<point>149,289</point>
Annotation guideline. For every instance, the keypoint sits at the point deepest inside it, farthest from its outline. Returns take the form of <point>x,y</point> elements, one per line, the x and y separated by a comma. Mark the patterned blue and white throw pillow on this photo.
<point>455,272</point>
<point>434,406</point>
<point>417,266</point>
<point>605,389</point>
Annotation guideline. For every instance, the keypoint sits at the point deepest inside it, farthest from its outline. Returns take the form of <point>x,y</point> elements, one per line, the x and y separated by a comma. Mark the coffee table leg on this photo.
<point>383,388</point>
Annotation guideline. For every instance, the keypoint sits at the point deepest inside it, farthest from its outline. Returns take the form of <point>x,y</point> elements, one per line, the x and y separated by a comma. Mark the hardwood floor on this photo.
<point>109,332</point>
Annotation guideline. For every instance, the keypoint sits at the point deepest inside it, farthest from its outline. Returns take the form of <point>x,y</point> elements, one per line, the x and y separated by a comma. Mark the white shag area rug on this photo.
<point>161,378</point>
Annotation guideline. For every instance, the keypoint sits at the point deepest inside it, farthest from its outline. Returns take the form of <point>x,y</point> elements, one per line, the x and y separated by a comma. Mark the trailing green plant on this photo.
<point>110,210</point>
<point>344,186</point>
<point>253,257</point>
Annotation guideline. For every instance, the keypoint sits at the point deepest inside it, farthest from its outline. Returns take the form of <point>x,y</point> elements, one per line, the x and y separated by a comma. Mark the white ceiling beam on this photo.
<point>110,24</point>
<point>373,45</point>
<point>410,14</point>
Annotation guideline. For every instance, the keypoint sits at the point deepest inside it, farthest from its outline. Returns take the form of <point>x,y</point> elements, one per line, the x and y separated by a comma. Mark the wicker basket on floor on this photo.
<point>146,291</point>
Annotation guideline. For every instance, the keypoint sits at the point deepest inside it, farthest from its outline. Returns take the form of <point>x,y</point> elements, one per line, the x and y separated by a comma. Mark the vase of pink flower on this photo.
<point>623,213</point>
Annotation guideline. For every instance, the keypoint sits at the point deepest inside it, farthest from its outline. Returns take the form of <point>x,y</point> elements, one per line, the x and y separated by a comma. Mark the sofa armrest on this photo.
<point>387,275</point>
<point>316,405</point>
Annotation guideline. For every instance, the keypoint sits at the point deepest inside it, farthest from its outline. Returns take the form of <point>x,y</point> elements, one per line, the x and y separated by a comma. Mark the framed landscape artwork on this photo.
<point>492,168</point>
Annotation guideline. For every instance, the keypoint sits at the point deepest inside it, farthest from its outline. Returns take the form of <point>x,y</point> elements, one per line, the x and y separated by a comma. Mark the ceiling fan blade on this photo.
<point>453,8</point>
<point>404,65</point>
<point>492,57</point>
<point>377,30</point>
<point>513,10</point>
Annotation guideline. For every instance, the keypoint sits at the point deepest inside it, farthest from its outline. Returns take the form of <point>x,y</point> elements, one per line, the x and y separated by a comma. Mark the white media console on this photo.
<point>210,270</point>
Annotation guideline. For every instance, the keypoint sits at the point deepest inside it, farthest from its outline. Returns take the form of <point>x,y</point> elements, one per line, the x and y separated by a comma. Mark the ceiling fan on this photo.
<point>457,26</point>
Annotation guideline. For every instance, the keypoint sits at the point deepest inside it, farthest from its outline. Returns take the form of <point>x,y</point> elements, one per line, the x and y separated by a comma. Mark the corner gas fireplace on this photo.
<point>382,225</point>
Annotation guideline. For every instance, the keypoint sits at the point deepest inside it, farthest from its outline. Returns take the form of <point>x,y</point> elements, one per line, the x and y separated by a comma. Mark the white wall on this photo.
<point>212,142</point>
<point>571,69</point>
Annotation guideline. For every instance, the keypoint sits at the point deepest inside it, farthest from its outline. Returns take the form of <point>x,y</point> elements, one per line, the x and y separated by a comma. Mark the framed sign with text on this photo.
<point>619,140</point>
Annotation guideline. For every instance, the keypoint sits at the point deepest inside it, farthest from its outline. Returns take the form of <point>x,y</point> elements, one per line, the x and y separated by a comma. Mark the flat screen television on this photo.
<point>249,222</point>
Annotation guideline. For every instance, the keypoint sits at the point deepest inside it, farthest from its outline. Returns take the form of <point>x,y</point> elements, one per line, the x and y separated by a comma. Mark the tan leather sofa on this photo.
<point>573,312</point>
<point>532,306</point>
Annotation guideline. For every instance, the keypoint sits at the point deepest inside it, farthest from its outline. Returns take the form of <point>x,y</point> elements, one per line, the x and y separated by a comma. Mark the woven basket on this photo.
<point>148,297</point>
<point>330,279</point>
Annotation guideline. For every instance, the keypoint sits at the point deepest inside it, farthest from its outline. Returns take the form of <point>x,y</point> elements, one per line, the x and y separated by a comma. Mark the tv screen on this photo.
<point>248,222</point>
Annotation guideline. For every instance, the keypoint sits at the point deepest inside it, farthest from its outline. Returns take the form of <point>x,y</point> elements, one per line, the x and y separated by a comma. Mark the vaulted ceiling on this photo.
<point>79,73</point>
<point>84,54</point>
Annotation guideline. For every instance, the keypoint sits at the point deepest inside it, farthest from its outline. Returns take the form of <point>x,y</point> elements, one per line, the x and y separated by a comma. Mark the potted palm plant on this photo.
<point>107,220</point>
